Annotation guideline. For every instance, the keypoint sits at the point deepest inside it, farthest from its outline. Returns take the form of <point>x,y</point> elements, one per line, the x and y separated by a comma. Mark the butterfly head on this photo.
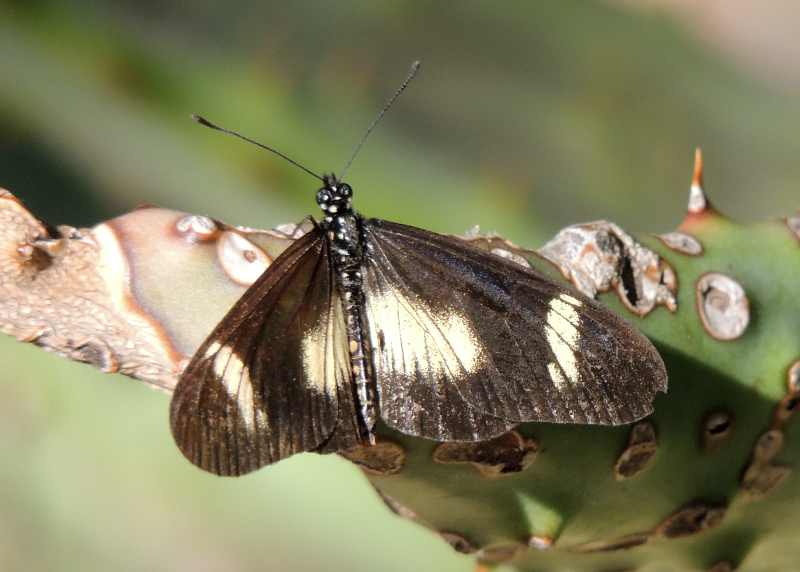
<point>335,197</point>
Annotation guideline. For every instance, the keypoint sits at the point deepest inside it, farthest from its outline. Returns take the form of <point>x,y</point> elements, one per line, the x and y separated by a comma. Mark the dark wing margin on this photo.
<point>273,378</point>
<point>464,341</point>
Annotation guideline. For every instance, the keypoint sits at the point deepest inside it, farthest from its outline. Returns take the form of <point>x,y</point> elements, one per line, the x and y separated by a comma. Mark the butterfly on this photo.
<point>362,319</point>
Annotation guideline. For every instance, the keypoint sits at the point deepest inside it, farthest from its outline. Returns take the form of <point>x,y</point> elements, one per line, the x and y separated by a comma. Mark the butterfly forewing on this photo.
<point>273,378</point>
<point>486,342</point>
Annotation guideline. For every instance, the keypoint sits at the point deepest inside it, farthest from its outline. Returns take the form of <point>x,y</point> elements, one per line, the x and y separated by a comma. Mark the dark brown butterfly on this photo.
<point>361,319</point>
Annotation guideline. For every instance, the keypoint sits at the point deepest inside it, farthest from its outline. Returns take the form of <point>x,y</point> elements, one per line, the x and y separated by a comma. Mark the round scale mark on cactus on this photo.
<point>34,257</point>
<point>458,542</point>
<point>96,352</point>
<point>793,222</point>
<point>793,377</point>
<point>786,409</point>
<point>499,553</point>
<point>242,260</point>
<point>682,242</point>
<point>768,445</point>
<point>691,519</point>
<point>507,454</point>
<point>395,506</point>
<point>622,543</point>
<point>760,480</point>
<point>512,256</point>
<point>642,447</point>
<point>497,245</point>
<point>292,230</point>
<point>197,228</point>
<point>384,458</point>
<point>761,476</point>
<point>723,306</point>
<point>541,542</point>
<point>790,403</point>
<point>717,429</point>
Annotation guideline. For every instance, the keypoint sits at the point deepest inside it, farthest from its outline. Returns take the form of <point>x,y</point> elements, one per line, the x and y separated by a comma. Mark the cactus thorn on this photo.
<point>698,201</point>
<point>699,205</point>
<point>697,176</point>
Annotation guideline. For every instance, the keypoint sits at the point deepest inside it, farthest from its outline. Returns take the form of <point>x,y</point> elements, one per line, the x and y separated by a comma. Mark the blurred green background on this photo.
<point>525,117</point>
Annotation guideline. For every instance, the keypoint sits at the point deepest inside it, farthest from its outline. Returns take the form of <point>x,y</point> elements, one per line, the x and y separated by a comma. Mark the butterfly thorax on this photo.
<point>343,230</point>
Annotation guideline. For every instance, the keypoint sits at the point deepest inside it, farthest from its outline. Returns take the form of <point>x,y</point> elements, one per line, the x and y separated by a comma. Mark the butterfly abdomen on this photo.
<point>345,240</point>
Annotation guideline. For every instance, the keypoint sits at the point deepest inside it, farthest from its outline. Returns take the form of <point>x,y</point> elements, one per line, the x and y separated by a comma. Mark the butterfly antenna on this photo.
<point>411,73</point>
<point>206,123</point>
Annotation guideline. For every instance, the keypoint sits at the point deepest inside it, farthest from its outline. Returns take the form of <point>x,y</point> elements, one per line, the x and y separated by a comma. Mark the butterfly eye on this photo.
<point>323,196</point>
<point>346,190</point>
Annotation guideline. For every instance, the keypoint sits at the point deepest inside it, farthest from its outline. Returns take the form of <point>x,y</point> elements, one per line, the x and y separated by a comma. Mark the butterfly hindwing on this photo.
<point>273,378</point>
<point>490,342</point>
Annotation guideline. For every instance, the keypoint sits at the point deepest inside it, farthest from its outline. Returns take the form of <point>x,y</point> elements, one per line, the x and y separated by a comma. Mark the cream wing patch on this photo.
<point>234,376</point>
<point>321,356</point>
<point>416,337</point>
<point>562,334</point>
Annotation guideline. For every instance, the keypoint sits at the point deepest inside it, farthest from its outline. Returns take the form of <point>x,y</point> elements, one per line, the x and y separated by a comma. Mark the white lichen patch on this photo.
<point>599,256</point>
